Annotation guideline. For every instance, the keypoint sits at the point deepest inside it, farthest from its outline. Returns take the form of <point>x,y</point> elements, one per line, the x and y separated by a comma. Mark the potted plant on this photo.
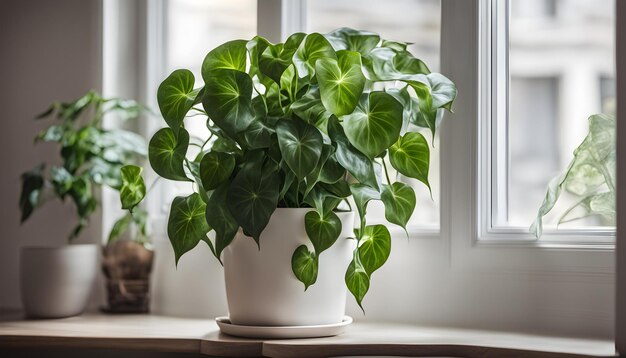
<point>302,132</point>
<point>57,281</point>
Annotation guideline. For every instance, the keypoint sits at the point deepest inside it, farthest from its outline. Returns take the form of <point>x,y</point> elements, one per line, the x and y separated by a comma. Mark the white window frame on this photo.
<point>493,147</point>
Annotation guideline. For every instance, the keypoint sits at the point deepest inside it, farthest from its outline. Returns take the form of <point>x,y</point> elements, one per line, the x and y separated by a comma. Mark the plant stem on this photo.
<point>386,172</point>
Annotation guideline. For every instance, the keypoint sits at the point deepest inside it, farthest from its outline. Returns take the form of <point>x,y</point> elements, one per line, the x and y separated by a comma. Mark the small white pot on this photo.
<point>261,288</point>
<point>57,281</point>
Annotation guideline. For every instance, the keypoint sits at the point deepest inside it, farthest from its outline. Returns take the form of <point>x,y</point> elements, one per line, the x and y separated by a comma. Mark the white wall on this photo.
<point>50,51</point>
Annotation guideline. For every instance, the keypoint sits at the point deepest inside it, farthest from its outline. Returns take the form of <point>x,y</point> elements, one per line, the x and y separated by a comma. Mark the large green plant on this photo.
<point>309,122</point>
<point>590,176</point>
<point>90,157</point>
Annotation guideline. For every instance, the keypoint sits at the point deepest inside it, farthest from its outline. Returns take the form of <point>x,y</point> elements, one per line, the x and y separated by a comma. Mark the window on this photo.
<point>552,66</point>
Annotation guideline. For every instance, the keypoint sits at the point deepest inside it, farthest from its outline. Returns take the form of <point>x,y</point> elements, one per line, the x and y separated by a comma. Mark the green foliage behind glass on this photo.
<point>90,157</point>
<point>310,122</point>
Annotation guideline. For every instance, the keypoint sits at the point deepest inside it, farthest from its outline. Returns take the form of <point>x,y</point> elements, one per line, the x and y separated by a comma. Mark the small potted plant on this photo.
<point>57,281</point>
<point>302,133</point>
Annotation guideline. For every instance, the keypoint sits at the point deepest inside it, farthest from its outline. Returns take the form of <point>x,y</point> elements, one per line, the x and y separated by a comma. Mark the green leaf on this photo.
<point>230,55</point>
<point>289,82</point>
<point>322,230</point>
<point>374,247</point>
<point>215,169</point>
<point>304,265</point>
<point>167,153</point>
<point>434,91</point>
<point>375,124</point>
<point>357,163</point>
<point>133,188</point>
<point>175,97</point>
<point>411,156</point>
<point>228,100</point>
<point>362,195</point>
<point>389,64</point>
<point>300,145</point>
<point>186,225</point>
<point>310,109</point>
<point>399,200</point>
<point>32,186</point>
<point>120,226</point>
<point>313,177</point>
<point>341,82</point>
<point>313,48</point>
<point>599,204</point>
<point>61,180</point>
<point>253,197</point>
<point>358,281</point>
<point>332,171</point>
<point>221,220</point>
<point>353,40</point>
<point>274,59</point>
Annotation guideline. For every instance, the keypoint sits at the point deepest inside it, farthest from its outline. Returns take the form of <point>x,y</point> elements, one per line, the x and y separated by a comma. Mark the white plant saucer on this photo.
<point>282,332</point>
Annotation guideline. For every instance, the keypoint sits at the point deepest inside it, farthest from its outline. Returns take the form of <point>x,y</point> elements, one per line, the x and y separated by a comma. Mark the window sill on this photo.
<point>169,334</point>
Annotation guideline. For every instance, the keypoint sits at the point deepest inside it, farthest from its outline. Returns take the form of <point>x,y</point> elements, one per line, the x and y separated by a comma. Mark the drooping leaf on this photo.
<point>375,124</point>
<point>322,230</point>
<point>119,227</point>
<point>390,64</point>
<point>228,100</point>
<point>167,153</point>
<point>61,180</point>
<point>32,186</point>
<point>399,200</point>
<point>175,97</point>
<point>304,265</point>
<point>362,195</point>
<point>597,204</point>
<point>253,197</point>
<point>215,169</point>
<point>219,217</point>
<point>230,55</point>
<point>355,162</point>
<point>300,145</point>
<point>133,188</point>
<point>358,281</point>
<point>186,225</point>
<point>341,82</point>
<point>312,178</point>
<point>374,247</point>
<point>313,47</point>
<point>353,40</point>
<point>435,92</point>
<point>410,155</point>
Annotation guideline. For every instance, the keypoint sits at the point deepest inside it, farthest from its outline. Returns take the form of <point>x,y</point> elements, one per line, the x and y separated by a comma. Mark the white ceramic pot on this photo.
<point>57,281</point>
<point>261,288</point>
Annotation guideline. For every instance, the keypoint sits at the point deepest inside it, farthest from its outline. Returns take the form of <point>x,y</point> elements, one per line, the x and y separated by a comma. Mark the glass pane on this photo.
<point>561,66</point>
<point>414,21</point>
<point>192,29</point>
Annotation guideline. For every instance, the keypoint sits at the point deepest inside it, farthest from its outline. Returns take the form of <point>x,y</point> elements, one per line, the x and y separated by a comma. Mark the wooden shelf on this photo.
<point>170,334</point>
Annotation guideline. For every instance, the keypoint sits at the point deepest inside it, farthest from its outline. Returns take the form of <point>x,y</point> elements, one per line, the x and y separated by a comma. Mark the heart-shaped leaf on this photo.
<point>230,55</point>
<point>133,189</point>
<point>355,162</point>
<point>332,171</point>
<point>216,168</point>
<point>313,48</point>
<point>374,247</point>
<point>175,97</point>
<point>358,281</point>
<point>167,153</point>
<point>322,230</point>
<point>362,195</point>
<point>399,200</point>
<point>253,197</point>
<point>375,124</point>
<point>310,108</point>
<point>410,155</point>
<point>341,82</point>
<point>353,40</point>
<point>259,134</point>
<point>221,220</point>
<point>186,225</point>
<point>228,100</point>
<point>435,92</point>
<point>274,59</point>
<point>304,265</point>
<point>300,144</point>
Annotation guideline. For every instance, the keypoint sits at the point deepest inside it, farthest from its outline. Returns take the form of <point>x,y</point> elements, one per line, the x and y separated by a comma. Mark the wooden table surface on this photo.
<point>170,334</point>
